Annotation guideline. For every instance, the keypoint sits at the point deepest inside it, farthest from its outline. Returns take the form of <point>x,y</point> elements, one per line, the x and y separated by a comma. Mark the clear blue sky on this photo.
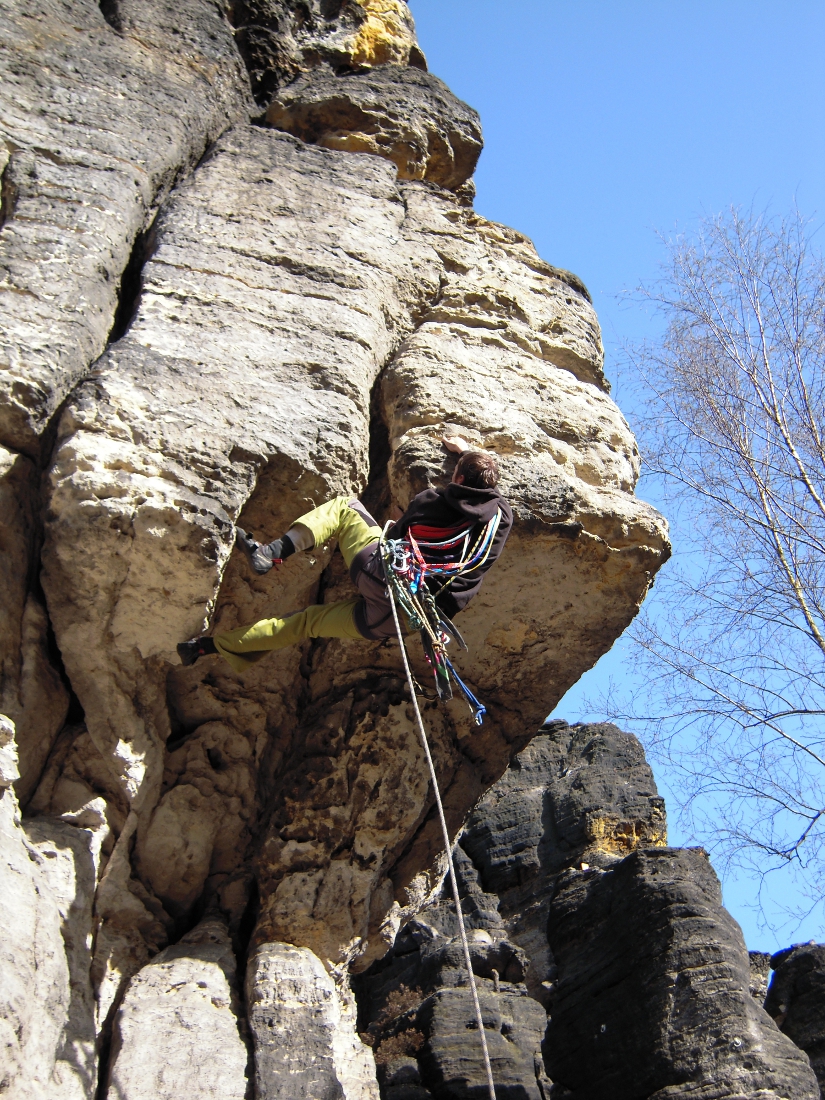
<point>605,122</point>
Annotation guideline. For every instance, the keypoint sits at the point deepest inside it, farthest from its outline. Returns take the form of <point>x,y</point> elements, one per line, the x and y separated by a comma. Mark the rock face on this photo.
<point>416,1010</point>
<point>571,897</point>
<point>211,320</point>
<point>796,1000</point>
<point>410,117</point>
<point>293,1006</point>
<point>47,881</point>
<point>176,1031</point>
<point>280,39</point>
<point>651,932</point>
<point>576,794</point>
<point>97,127</point>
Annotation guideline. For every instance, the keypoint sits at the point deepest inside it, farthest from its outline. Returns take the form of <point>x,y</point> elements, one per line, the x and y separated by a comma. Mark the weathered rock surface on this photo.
<point>208,321</point>
<point>651,933</point>
<point>47,882</point>
<point>293,1006</point>
<point>281,38</point>
<point>177,1030</point>
<point>97,126</point>
<point>796,1000</point>
<point>408,116</point>
<point>574,793</point>
<point>284,419</point>
<point>417,1011</point>
<point>569,894</point>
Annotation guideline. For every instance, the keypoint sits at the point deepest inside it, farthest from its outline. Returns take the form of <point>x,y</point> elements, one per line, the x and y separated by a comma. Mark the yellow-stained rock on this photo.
<point>387,35</point>
<point>613,835</point>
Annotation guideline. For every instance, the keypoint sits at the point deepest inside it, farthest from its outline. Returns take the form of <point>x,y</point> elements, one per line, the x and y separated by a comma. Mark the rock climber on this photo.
<point>471,497</point>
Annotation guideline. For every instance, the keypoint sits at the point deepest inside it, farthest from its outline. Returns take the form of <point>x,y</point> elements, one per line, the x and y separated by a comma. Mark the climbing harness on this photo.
<point>468,962</point>
<point>443,555</point>
<point>407,568</point>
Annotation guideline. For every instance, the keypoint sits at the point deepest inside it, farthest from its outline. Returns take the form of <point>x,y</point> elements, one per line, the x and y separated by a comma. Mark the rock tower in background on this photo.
<point>241,272</point>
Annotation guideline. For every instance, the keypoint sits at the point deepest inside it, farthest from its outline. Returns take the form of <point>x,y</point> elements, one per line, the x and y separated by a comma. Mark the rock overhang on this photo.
<point>300,311</point>
<point>162,452</point>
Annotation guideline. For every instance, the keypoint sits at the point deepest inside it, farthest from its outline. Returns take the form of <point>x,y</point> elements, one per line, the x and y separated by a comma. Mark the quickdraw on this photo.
<point>408,569</point>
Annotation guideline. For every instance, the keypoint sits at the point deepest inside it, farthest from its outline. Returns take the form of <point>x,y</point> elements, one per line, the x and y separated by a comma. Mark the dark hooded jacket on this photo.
<point>453,506</point>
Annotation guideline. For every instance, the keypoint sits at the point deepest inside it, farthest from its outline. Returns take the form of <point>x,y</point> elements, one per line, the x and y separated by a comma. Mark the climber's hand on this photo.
<point>456,444</point>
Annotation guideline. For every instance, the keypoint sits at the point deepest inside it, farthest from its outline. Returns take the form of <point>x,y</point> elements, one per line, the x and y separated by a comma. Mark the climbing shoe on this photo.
<point>262,556</point>
<point>194,648</point>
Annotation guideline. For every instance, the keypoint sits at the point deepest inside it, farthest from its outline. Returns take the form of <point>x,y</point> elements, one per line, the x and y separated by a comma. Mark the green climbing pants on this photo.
<point>247,644</point>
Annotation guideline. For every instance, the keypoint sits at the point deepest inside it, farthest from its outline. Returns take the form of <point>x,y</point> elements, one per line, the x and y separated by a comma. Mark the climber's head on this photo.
<point>476,469</point>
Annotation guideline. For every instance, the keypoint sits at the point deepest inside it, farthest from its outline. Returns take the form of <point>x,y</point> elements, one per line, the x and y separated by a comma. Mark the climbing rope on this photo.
<point>447,847</point>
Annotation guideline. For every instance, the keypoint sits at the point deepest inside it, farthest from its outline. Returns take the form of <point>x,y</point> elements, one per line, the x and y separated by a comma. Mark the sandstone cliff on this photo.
<point>242,272</point>
<point>606,961</point>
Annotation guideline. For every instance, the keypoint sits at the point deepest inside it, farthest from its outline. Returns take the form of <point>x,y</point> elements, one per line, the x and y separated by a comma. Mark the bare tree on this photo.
<point>733,646</point>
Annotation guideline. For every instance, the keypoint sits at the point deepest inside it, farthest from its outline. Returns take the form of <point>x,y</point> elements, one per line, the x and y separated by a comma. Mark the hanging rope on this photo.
<point>447,847</point>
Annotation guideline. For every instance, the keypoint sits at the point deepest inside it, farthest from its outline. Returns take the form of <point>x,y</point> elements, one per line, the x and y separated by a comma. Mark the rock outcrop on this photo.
<point>651,932</point>
<point>211,320</point>
<point>796,1000</point>
<point>177,1029</point>
<point>294,1007</point>
<point>280,39</point>
<point>410,117</point>
<point>605,960</point>
<point>577,794</point>
<point>417,1013</point>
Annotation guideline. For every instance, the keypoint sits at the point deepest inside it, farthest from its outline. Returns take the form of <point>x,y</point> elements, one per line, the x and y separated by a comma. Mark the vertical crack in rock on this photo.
<point>87,172</point>
<point>33,688</point>
<point>8,188</point>
<point>104,1044</point>
<point>376,495</point>
<point>109,11</point>
<point>128,294</point>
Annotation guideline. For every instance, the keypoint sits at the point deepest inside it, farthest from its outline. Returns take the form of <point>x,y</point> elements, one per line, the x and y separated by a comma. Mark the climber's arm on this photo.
<point>454,443</point>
